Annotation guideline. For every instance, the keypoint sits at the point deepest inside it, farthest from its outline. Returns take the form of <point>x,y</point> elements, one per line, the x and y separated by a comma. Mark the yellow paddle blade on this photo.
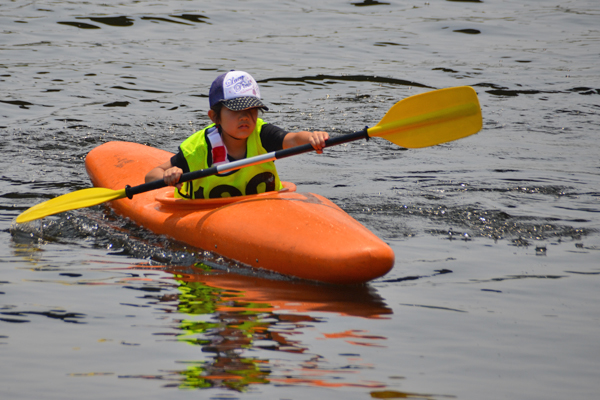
<point>431,118</point>
<point>70,201</point>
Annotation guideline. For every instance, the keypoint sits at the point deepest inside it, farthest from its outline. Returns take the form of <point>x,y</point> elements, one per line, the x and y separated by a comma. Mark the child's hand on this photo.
<point>317,140</point>
<point>172,175</point>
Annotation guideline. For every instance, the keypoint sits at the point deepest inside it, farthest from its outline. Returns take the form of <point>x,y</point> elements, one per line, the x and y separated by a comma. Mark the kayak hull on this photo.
<point>302,235</point>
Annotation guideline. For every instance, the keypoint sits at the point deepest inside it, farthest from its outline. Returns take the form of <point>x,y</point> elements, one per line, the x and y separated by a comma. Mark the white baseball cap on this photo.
<point>236,90</point>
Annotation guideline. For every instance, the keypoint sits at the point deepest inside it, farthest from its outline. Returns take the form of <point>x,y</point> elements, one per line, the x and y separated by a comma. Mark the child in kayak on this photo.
<point>237,132</point>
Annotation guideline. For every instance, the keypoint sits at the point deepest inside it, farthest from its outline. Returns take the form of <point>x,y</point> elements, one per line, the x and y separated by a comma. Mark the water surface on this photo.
<point>496,237</point>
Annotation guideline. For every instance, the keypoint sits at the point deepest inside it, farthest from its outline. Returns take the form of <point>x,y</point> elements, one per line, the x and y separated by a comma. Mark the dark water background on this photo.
<point>495,289</point>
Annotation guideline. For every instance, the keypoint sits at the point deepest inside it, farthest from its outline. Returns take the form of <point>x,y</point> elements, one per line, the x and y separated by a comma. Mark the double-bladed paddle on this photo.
<point>421,120</point>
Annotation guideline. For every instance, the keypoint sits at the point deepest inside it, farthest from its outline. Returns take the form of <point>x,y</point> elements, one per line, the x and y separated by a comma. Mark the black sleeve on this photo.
<point>178,160</point>
<point>271,137</point>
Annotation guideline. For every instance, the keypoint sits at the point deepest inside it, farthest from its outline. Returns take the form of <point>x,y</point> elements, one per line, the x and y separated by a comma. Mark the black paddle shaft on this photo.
<point>275,155</point>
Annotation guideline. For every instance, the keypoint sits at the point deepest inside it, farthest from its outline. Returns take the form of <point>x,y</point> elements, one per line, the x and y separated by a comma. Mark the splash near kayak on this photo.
<point>301,235</point>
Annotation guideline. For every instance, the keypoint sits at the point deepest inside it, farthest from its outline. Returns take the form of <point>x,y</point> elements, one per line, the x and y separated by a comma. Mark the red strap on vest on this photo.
<point>218,149</point>
<point>219,154</point>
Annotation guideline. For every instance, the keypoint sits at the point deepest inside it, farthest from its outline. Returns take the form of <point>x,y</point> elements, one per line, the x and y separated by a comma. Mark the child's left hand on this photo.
<point>317,140</point>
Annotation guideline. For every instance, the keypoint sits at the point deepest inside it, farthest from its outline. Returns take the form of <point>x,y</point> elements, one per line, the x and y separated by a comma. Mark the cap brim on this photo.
<point>244,103</point>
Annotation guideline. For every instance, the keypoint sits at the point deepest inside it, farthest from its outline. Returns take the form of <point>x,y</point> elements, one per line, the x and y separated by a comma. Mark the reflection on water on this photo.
<point>225,335</point>
<point>235,319</point>
<point>124,21</point>
<point>370,3</point>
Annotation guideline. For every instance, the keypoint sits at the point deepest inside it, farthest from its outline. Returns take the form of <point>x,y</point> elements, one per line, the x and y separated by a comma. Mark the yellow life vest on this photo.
<point>249,180</point>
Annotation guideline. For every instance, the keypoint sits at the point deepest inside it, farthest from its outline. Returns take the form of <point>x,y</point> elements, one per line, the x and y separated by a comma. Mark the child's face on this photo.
<point>238,124</point>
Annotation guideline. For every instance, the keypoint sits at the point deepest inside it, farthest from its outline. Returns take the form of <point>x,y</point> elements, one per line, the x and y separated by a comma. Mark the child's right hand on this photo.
<point>172,176</point>
<point>167,172</point>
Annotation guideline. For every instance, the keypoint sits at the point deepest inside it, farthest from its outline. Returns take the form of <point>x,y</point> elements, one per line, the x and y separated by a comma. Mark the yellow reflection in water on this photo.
<point>226,315</point>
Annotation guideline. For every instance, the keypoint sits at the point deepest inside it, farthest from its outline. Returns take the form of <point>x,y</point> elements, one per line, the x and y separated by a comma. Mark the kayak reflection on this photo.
<point>236,318</point>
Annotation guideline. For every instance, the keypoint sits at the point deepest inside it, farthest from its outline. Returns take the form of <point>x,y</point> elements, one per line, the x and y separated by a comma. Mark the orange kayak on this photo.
<point>302,235</point>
